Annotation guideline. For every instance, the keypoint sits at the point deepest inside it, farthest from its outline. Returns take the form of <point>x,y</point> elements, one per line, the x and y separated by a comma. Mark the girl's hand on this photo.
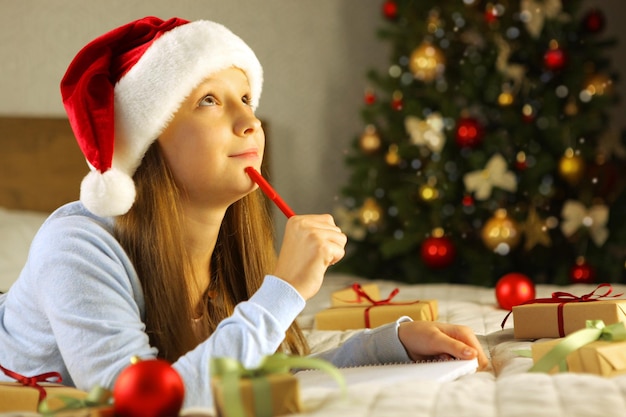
<point>427,340</point>
<point>311,244</point>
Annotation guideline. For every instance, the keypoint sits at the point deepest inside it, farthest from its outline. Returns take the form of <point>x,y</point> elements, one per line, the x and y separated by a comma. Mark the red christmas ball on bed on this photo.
<point>148,388</point>
<point>514,289</point>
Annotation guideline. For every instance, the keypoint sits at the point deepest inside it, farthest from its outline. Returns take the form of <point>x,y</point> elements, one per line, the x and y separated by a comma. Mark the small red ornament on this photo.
<point>555,59</point>
<point>582,272</point>
<point>521,162</point>
<point>148,388</point>
<point>513,289</point>
<point>390,9</point>
<point>369,97</point>
<point>468,200</point>
<point>594,21</point>
<point>491,13</point>
<point>469,132</point>
<point>438,252</point>
<point>397,104</point>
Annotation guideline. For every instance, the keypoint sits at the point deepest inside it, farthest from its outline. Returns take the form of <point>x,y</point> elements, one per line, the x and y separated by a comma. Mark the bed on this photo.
<point>40,168</point>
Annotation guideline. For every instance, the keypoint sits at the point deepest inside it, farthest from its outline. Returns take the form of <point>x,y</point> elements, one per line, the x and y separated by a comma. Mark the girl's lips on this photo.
<point>247,154</point>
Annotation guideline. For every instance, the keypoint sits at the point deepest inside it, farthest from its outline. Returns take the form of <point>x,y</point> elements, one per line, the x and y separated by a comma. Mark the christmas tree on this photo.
<point>486,147</point>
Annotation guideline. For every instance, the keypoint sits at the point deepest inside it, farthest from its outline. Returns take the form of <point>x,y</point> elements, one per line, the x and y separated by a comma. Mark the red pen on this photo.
<point>269,191</point>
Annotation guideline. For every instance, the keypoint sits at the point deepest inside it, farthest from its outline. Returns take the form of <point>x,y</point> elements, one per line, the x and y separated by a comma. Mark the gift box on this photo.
<point>17,397</point>
<point>356,309</point>
<point>284,395</point>
<point>558,319</point>
<point>351,296</point>
<point>268,390</point>
<point>602,358</point>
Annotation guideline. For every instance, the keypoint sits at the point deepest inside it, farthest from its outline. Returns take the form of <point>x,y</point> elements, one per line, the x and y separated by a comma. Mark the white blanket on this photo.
<point>505,389</point>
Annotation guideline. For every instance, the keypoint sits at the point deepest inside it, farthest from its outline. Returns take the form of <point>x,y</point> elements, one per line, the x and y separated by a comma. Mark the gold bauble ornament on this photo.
<point>426,62</point>
<point>571,107</point>
<point>505,99</point>
<point>599,84</point>
<point>392,157</point>
<point>428,193</point>
<point>370,213</point>
<point>571,167</point>
<point>501,233</point>
<point>370,140</point>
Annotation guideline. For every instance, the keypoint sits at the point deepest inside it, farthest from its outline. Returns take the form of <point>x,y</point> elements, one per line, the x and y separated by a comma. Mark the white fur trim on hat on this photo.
<point>109,193</point>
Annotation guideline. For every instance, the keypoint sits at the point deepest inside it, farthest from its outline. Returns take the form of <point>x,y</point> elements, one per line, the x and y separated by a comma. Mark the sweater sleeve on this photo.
<point>369,347</point>
<point>94,304</point>
<point>257,328</point>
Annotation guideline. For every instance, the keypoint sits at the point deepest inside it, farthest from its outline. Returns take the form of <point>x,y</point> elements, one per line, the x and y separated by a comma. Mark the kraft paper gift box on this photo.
<point>285,395</point>
<point>364,313</point>
<point>17,397</point>
<point>269,389</point>
<point>602,357</point>
<point>558,319</point>
<point>349,297</point>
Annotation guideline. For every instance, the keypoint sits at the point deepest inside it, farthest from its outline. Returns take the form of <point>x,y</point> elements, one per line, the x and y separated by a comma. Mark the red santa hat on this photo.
<point>123,88</point>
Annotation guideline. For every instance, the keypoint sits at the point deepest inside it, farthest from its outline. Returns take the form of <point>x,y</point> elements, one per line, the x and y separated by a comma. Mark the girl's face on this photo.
<point>212,138</point>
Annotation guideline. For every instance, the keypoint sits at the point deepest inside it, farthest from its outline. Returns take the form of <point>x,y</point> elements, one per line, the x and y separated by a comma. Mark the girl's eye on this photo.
<point>247,100</point>
<point>208,100</point>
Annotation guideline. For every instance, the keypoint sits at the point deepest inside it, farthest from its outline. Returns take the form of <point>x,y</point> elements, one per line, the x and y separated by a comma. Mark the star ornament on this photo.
<point>427,132</point>
<point>495,174</point>
<point>536,231</point>
<point>576,215</point>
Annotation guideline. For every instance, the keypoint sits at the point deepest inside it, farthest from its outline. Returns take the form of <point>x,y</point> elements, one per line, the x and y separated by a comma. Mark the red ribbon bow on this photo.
<point>33,381</point>
<point>563,298</point>
<point>387,301</point>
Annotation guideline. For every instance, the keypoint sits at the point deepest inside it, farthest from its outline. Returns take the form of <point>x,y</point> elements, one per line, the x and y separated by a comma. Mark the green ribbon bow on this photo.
<point>98,396</point>
<point>231,371</point>
<point>595,330</point>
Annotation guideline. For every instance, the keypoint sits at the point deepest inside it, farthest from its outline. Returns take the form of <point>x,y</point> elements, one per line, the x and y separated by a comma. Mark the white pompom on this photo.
<point>111,193</point>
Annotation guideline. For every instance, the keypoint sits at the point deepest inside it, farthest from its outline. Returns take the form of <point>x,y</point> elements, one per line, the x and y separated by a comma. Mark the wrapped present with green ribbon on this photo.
<point>97,403</point>
<point>361,310</point>
<point>598,349</point>
<point>264,391</point>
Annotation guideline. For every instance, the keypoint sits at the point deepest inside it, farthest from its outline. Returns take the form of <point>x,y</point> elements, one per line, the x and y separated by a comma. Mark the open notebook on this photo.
<point>388,374</point>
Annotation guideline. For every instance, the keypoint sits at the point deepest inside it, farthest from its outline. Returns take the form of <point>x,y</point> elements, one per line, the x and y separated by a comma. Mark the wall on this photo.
<point>315,54</point>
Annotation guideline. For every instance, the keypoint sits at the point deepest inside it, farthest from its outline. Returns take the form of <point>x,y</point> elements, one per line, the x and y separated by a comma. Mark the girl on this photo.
<point>169,252</point>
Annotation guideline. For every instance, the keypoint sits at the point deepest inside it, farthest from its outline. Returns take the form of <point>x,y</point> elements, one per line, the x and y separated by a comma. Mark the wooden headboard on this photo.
<point>41,166</point>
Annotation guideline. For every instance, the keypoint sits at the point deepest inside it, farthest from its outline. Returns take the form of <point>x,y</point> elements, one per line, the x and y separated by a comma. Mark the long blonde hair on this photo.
<point>151,234</point>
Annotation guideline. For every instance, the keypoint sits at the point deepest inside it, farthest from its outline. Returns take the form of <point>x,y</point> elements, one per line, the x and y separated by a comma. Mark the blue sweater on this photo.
<point>78,308</point>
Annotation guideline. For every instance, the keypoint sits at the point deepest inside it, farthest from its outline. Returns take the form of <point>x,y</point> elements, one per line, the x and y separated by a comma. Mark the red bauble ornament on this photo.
<point>594,21</point>
<point>513,289</point>
<point>468,200</point>
<point>469,132</point>
<point>491,14</point>
<point>390,9</point>
<point>582,273</point>
<point>369,97</point>
<point>148,388</point>
<point>555,59</point>
<point>438,252</point>
<point>397,104</point>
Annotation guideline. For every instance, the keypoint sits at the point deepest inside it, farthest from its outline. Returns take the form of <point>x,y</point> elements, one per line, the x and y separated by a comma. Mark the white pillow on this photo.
<point>17,229</point>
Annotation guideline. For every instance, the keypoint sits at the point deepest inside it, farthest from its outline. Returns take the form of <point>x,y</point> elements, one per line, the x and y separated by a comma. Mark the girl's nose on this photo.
<point>247,123</point>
